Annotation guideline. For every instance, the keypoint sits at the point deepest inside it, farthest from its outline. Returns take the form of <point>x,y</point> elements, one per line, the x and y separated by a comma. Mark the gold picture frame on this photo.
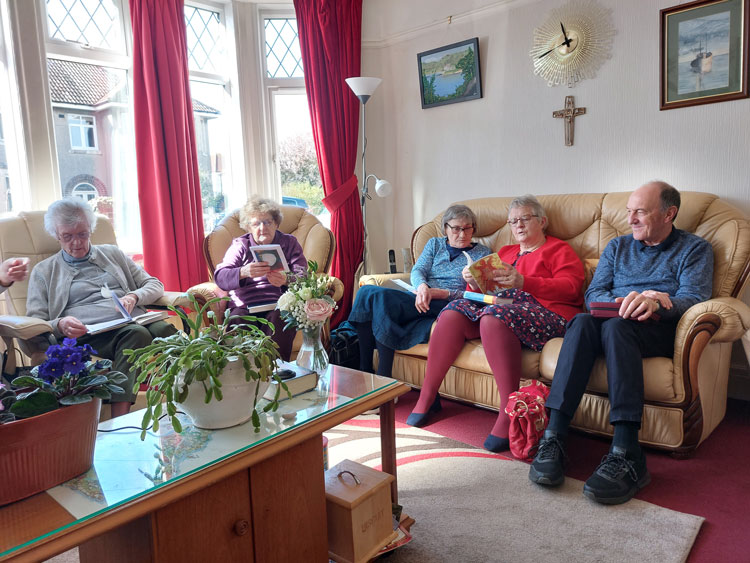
<point>704,53</point>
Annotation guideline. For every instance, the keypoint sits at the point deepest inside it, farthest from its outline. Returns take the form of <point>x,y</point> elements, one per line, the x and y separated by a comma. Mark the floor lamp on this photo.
<point>363,87</point>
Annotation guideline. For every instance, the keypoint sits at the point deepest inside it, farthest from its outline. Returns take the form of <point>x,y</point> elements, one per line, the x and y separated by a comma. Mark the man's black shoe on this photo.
<point>617,478</point>
<point>547,467</point>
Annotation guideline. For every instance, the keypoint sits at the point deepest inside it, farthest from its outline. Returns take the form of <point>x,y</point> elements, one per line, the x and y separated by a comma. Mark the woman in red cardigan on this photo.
<point>544,277</point>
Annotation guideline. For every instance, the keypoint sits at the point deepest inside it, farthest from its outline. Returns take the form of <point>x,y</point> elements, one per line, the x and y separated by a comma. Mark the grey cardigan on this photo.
<point>49,284</point>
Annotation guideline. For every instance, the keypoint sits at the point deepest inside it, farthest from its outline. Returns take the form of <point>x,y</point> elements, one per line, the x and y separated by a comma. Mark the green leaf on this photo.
<point>256,420</point>
<point>176,424</point>
<point>75,399</point>
<point>34,404</point>
<point>27,381</point>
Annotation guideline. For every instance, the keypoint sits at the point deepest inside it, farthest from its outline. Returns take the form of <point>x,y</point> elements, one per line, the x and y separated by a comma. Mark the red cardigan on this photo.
<point>553,274</point>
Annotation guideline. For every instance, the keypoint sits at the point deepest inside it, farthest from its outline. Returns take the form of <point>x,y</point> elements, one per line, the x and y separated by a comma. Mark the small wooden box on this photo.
<point>359,515</point>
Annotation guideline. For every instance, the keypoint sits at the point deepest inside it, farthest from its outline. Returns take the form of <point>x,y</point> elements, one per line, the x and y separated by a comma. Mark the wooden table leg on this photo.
<point>388,444</point>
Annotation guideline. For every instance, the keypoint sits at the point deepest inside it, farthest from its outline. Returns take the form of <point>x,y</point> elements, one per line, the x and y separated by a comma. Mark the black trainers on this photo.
<point>547,467</point>
<point>617,478</point>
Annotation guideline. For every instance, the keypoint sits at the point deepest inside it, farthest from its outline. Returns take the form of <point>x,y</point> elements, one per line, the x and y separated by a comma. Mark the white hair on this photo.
<point>68,212</point>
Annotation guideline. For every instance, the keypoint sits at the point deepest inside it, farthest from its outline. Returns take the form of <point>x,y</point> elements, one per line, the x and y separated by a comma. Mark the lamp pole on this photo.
<point>364,196</point>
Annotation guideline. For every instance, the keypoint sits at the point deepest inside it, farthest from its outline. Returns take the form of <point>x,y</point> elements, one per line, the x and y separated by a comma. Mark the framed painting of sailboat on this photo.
<point>704,52</point>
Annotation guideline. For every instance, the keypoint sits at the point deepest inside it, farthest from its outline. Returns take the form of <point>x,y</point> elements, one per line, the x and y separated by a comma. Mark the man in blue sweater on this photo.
<point>657,270</point>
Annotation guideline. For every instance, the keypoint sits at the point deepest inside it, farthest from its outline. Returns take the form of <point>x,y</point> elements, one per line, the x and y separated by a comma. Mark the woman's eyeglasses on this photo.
<point>524,219</point>
<point>458,230</point>
<point>265,223</point>
<point>84,235</point>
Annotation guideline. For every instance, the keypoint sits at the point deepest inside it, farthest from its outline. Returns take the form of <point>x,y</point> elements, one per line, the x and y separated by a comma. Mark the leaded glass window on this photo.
<point>94,23</point>
<point>283,56</point>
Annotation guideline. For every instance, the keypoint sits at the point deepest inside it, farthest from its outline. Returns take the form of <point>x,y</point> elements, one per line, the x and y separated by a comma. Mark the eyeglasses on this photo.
<point>265,223</point>
<point>67,237</point>
<point>457,230</point>
<point>523,219</point>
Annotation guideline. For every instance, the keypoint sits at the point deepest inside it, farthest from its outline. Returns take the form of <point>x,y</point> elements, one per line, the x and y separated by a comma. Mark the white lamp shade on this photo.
<point>383,188</point>
<point>363,85</point>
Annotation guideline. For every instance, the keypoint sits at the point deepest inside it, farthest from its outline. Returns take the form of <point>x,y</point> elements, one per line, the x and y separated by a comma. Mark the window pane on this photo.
<point>95,23</point>
<point>205,39</point>
<point>95,101</point>
<point>283,56</point>
<point>212,144</point>
<point>298,164</point>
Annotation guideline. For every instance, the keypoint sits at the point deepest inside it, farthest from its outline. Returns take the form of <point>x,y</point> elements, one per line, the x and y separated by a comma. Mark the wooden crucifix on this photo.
<point>569,114</point>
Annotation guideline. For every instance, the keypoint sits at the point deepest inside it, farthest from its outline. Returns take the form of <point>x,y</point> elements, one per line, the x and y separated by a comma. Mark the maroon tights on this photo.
<point>501,346</point>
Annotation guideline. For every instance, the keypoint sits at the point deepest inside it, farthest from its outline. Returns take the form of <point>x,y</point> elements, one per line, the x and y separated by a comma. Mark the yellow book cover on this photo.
<point>482,271</point>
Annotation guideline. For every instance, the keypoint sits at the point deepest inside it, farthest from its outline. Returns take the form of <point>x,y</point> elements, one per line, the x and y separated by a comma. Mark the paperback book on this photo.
<point>272,255</point>
<point>482,271</point>
<point>125,318</point>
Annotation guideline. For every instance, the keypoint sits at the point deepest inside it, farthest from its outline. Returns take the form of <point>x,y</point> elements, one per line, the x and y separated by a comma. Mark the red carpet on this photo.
<point>714,483</point>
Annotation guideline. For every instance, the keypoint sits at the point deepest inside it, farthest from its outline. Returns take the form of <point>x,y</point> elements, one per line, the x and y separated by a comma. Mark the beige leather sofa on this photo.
<point>686,394</point>
<point>317,244</point>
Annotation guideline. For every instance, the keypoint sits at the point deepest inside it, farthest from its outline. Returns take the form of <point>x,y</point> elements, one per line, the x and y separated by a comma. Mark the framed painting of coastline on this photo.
<point>704,52</point>
<point>450,74</point>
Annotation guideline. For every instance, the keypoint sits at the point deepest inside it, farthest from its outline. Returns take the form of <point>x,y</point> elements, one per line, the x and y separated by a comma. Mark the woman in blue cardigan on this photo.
<point>389,319</point>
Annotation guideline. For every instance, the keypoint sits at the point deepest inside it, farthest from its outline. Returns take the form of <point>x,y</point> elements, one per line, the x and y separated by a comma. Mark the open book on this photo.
<point>272,255</point>
<point>482,271</point>
<point>126,318</point>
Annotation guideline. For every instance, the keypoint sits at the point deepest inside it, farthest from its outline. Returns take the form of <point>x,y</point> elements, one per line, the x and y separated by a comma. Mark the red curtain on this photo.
<point>168,183</point>
<point>330,33</point>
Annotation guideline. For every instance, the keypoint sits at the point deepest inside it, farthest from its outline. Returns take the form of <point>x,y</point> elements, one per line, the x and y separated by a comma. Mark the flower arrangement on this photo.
<point>307,303</point>
<point>67,377</point>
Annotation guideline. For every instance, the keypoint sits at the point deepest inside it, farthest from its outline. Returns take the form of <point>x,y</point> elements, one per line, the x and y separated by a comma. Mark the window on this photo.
<point>82,132</point>
<point>292,155</point>
<point>13,191</point>
<point>86,192</point>
<point>212,110</point>
<point>88,68</point>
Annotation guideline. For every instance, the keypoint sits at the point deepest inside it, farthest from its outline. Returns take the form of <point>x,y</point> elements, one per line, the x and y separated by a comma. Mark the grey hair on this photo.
<point>68,212</point>
<point>257,206</point>
<point>459,212</point>
<point>669,196</point>
<point>528,200</point>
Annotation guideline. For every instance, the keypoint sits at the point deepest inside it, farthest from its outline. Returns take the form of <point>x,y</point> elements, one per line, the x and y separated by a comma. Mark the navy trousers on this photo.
<point>624,343</point>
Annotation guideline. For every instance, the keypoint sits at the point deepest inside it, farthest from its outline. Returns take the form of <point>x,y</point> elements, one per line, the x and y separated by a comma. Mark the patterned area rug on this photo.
<point>474,506</point>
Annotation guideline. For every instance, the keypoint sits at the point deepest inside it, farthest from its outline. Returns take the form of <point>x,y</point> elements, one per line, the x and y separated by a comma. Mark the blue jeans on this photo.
<point>624,343</point>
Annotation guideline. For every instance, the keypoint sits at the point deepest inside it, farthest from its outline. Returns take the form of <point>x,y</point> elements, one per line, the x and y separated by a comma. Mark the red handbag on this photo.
<point>528,419</point>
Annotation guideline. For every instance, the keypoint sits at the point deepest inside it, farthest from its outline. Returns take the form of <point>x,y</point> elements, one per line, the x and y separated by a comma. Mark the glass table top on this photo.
<point>126,468</point>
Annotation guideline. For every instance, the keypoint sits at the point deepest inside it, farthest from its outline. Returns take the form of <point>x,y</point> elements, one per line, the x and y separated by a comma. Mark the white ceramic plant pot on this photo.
<point>236,405</point>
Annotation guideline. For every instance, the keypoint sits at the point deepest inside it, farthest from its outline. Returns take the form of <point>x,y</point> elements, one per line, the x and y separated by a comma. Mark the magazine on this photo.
<point>272,255</point>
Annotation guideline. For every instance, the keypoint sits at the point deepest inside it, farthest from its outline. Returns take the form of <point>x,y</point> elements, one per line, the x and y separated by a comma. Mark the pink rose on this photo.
<point>318,309</point>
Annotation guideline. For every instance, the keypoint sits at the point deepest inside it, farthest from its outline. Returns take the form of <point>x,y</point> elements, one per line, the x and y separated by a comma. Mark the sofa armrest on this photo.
<point>23,328</point>
<point>724,319</point>
<point>382,279</point>
<point>338,289</point>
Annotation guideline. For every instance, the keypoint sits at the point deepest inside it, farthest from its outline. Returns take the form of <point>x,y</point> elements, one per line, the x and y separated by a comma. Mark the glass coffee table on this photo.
<point>140,496</point>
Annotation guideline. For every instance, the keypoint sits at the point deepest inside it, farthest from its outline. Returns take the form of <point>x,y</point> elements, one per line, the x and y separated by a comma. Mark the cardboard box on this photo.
<point>359,514</point>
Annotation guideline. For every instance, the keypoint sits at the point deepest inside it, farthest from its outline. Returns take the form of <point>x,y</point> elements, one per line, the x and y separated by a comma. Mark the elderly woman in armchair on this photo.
<point>251,282</point>
<point>66,290</point>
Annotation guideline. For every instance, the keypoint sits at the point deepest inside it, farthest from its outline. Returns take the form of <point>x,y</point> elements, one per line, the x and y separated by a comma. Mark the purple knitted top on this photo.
<point>254,291</point>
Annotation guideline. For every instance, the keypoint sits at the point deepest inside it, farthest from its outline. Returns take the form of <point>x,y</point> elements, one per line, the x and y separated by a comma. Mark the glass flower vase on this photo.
<point>312,355</point>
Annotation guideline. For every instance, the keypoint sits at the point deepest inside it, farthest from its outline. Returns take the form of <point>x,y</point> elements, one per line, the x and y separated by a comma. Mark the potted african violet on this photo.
<point>49,419</point>
<point>215,373</point>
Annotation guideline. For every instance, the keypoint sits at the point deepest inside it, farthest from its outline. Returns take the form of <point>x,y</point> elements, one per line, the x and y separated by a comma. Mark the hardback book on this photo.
<point>304,380</point>
<point>125,317</point>
<point>482,271</point>
<point>610,309</point>
<point>272,255</point>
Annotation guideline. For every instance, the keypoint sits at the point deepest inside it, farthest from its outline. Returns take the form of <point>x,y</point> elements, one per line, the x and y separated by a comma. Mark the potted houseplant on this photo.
<point>306,305</point>
<point>49,419</point>
<point>215,374</point>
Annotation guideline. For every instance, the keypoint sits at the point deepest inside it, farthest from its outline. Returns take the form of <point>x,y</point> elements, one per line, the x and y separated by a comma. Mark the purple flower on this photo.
<point>66,358</point>
<point>51,370</point>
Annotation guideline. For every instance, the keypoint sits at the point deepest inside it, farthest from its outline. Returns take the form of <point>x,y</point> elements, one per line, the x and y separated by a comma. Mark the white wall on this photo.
<point>507,143</point>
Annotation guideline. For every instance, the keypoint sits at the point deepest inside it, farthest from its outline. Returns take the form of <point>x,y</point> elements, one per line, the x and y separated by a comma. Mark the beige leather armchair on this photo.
<point>317,243</point>
<point>24,235</point>
<point>685,396</point>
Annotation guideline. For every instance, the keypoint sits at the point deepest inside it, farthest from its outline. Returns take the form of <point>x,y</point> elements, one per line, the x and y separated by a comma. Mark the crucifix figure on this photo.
<point>569,114</point>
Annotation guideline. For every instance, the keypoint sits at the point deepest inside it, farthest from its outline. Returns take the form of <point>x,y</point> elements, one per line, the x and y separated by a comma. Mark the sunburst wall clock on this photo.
<point>573,42</point>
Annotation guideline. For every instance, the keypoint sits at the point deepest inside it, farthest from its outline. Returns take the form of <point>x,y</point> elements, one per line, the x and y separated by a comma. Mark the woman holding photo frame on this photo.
<point>251,282</point>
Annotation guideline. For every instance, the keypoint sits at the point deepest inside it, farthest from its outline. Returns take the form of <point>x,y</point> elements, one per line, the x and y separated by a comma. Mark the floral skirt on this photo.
<point>532,324</point>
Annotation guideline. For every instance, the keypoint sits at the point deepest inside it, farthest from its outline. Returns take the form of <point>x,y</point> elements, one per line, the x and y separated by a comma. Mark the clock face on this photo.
<point>572,43</point>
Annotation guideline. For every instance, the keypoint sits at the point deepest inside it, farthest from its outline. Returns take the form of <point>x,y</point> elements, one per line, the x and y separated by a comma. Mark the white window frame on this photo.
<point>76,50</point>
<point>270,88</point>
<point>77,121</point>
<point>96,192</point>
